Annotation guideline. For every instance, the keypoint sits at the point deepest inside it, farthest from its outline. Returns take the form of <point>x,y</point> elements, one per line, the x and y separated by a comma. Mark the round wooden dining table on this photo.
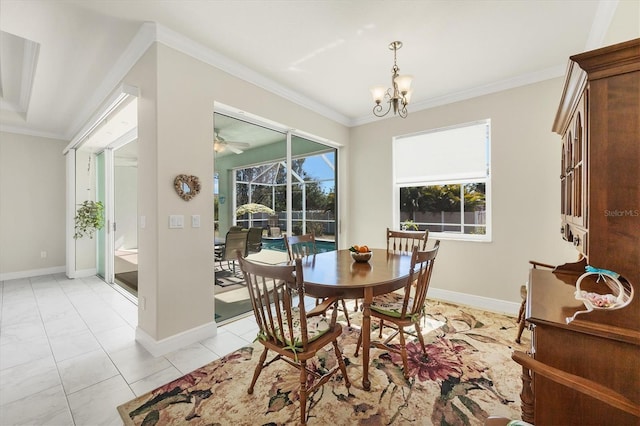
<point>335,273</point>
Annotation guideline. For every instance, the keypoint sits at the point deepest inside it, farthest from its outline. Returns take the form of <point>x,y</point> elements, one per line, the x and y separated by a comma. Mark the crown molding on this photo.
<point>30,132</point>
<point>207,55</point>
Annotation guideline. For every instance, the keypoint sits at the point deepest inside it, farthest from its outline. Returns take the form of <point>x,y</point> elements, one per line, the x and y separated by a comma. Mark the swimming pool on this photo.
<point>277,244</point>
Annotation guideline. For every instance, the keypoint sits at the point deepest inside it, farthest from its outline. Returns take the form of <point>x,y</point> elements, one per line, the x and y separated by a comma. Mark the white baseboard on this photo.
<point>83,273</point>
<point>175,342</point>
<point>31,273</point>
<point>480,302</point>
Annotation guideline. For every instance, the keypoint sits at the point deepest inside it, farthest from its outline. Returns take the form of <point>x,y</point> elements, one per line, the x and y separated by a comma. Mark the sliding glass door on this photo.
<point>270,181</point>
<point>313,190</point>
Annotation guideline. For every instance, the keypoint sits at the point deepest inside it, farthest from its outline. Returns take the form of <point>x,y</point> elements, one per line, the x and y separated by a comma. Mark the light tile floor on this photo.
<point>68,354</point>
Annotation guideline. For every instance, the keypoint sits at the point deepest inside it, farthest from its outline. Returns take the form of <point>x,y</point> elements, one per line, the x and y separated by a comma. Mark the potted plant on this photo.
<point>409,225</point>
<point>89,219</point>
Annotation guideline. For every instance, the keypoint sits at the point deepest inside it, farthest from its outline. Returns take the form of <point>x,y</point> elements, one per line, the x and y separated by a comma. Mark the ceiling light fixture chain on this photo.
<point>398,95</point>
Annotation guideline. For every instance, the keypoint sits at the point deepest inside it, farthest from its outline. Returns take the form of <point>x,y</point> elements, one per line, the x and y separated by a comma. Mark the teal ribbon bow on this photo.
<point>601,272</point>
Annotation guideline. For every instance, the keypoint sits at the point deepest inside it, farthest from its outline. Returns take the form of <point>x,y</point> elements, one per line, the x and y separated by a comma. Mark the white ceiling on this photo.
<point>321,54</point>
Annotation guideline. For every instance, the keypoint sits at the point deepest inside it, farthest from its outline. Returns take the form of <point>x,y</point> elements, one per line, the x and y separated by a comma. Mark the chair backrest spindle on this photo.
<point>273,290</point>
<point>299,246</point>
<point>403,241</point>
<point>421,269</point>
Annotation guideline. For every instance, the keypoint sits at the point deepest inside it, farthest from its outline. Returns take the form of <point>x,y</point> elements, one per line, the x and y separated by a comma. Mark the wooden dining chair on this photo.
<point>299,246</point>
<point>402,310</point>
<point>403,241</point>
<point>288,330</point>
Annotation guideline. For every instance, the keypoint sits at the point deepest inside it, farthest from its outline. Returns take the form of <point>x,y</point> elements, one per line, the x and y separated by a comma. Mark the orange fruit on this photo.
<point>356,248</point>
<point>363,249</point>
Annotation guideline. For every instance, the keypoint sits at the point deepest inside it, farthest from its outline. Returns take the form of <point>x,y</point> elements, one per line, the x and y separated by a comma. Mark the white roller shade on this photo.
<point>457,153</point>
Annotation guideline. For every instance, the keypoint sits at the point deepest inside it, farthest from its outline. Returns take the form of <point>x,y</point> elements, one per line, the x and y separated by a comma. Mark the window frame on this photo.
<point>486,179</point>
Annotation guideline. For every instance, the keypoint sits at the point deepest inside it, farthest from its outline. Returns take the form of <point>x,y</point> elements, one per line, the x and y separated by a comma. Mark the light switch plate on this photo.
<point>176,221</point>
<point>195,221</point>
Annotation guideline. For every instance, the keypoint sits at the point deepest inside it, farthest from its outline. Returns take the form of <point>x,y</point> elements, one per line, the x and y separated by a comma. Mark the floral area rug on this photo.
<point>466,376</point>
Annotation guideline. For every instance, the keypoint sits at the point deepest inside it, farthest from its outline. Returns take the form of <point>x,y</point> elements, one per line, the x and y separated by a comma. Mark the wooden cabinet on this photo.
<point>607,355</point>
<point>599,121</point>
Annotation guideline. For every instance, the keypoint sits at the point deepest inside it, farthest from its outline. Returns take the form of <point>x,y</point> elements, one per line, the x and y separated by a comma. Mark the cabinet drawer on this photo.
<point>579,238</point>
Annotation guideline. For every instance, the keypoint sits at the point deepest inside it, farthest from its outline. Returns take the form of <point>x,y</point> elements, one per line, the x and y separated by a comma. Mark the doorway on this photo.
<point>273,179</point>
<point>102,169</point>
<point>117,189</point>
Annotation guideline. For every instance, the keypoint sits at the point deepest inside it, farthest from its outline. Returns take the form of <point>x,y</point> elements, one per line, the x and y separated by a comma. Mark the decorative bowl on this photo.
<point>361,257</point>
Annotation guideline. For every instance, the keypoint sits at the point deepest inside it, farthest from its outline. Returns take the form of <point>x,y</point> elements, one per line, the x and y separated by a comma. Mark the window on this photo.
<point>442,181</point>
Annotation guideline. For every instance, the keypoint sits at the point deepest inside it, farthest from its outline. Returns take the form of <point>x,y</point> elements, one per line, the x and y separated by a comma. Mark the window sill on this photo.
<point>459,237</point>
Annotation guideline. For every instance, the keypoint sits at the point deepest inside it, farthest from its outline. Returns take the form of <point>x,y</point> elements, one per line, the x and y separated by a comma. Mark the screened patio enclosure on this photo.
<point>312,195</point>
<point>302,197</point>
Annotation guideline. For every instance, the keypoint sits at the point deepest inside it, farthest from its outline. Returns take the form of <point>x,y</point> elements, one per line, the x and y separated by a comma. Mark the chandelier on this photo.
<point>398,95</point>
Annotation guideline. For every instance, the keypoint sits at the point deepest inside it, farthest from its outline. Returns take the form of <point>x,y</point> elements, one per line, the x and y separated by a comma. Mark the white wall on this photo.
<point>525,158</point>
<point>175,134</point>
<point>32,205</point>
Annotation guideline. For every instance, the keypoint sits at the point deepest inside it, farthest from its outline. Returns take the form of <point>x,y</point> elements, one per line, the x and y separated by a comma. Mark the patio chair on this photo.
<point>401,310</point>
<point>299,246</point>
<point>235,241</point>
<point>254,240</point>
<point>292,333</point>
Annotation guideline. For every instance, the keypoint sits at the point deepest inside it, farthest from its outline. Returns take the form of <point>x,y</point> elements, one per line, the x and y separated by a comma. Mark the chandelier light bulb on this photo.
<point>378,94</point>
<point>404,83</point>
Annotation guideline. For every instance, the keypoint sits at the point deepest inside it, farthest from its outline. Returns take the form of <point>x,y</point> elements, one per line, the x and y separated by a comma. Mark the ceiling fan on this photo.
<point>220,144</point>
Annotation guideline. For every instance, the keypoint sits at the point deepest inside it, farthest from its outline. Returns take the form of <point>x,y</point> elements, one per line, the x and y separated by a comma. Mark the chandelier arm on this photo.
<point>377,109</point>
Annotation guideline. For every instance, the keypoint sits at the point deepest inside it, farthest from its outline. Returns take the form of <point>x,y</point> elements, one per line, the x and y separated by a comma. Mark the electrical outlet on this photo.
<point>195,221</point>
<point>43,254</point>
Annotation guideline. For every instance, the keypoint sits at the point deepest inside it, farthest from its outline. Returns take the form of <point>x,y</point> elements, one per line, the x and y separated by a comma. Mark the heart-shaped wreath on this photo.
<point>187,186</point>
